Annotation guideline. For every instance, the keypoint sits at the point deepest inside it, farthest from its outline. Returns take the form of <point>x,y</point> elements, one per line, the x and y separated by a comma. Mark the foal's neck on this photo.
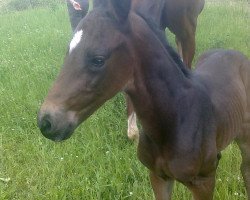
<point>158,86</point>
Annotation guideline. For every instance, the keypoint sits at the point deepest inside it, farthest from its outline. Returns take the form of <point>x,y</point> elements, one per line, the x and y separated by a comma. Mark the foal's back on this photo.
<point>226,75</point>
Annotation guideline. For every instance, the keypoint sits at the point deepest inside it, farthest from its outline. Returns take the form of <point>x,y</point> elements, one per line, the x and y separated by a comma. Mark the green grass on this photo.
<point>98,162</point>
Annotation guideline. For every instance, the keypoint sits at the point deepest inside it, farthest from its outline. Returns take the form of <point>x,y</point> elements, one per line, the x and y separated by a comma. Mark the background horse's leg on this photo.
<point>75,16</point>
<point>203,188</point>
<point>133,131</point>
<point>186,36</point>
<point>244,144</point>
<point>179,47</point>
<point>162,189</point>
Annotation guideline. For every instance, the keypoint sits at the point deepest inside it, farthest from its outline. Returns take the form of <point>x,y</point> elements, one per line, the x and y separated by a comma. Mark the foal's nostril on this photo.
<point>45,126</point>
<point>55,125</point>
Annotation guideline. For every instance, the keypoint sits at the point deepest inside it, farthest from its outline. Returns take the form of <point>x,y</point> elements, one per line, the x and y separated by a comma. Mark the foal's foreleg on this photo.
<point>162,188</point>
<point>202,188</point>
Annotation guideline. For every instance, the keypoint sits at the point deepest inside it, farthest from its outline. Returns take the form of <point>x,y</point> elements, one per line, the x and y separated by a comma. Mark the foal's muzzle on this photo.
<point>56,125</point>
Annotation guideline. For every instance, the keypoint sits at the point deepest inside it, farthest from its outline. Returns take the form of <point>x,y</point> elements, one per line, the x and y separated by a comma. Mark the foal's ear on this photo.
<point>121,9</point>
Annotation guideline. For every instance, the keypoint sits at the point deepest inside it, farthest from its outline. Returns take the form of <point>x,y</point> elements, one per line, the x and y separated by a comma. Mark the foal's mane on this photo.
<point>161,36</point>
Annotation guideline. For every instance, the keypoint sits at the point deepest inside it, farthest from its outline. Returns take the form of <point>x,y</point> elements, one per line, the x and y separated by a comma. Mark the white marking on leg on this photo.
<point>76,40</point>
<point>133,131</point>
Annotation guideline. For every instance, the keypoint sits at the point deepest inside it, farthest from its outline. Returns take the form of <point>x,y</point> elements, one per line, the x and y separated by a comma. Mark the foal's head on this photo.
<point>97,65</point>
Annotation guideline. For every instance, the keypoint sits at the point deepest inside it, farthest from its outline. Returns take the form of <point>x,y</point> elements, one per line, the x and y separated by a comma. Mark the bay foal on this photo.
<point>187,117</point>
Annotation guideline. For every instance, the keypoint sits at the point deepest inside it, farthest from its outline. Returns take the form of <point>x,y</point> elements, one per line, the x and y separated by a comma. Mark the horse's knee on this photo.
<point>203,188</point>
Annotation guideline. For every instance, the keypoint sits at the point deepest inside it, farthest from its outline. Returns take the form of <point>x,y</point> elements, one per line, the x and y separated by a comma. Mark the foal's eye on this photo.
<point>97,61</point>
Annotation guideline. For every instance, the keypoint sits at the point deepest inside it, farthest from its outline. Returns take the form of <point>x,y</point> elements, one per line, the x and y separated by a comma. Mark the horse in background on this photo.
<point>187,117</point>
<point>180,16</point>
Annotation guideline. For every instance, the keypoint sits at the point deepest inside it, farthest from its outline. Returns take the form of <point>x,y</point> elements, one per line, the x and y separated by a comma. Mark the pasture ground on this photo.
<point>98,162</point>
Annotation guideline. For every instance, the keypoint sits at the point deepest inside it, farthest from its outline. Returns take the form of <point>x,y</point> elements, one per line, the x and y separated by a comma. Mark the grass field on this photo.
<point>98,162</point>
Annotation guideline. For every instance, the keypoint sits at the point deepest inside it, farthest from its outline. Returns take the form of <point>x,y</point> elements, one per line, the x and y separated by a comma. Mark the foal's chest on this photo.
<point>153,157</point>
<point>168,162</point>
